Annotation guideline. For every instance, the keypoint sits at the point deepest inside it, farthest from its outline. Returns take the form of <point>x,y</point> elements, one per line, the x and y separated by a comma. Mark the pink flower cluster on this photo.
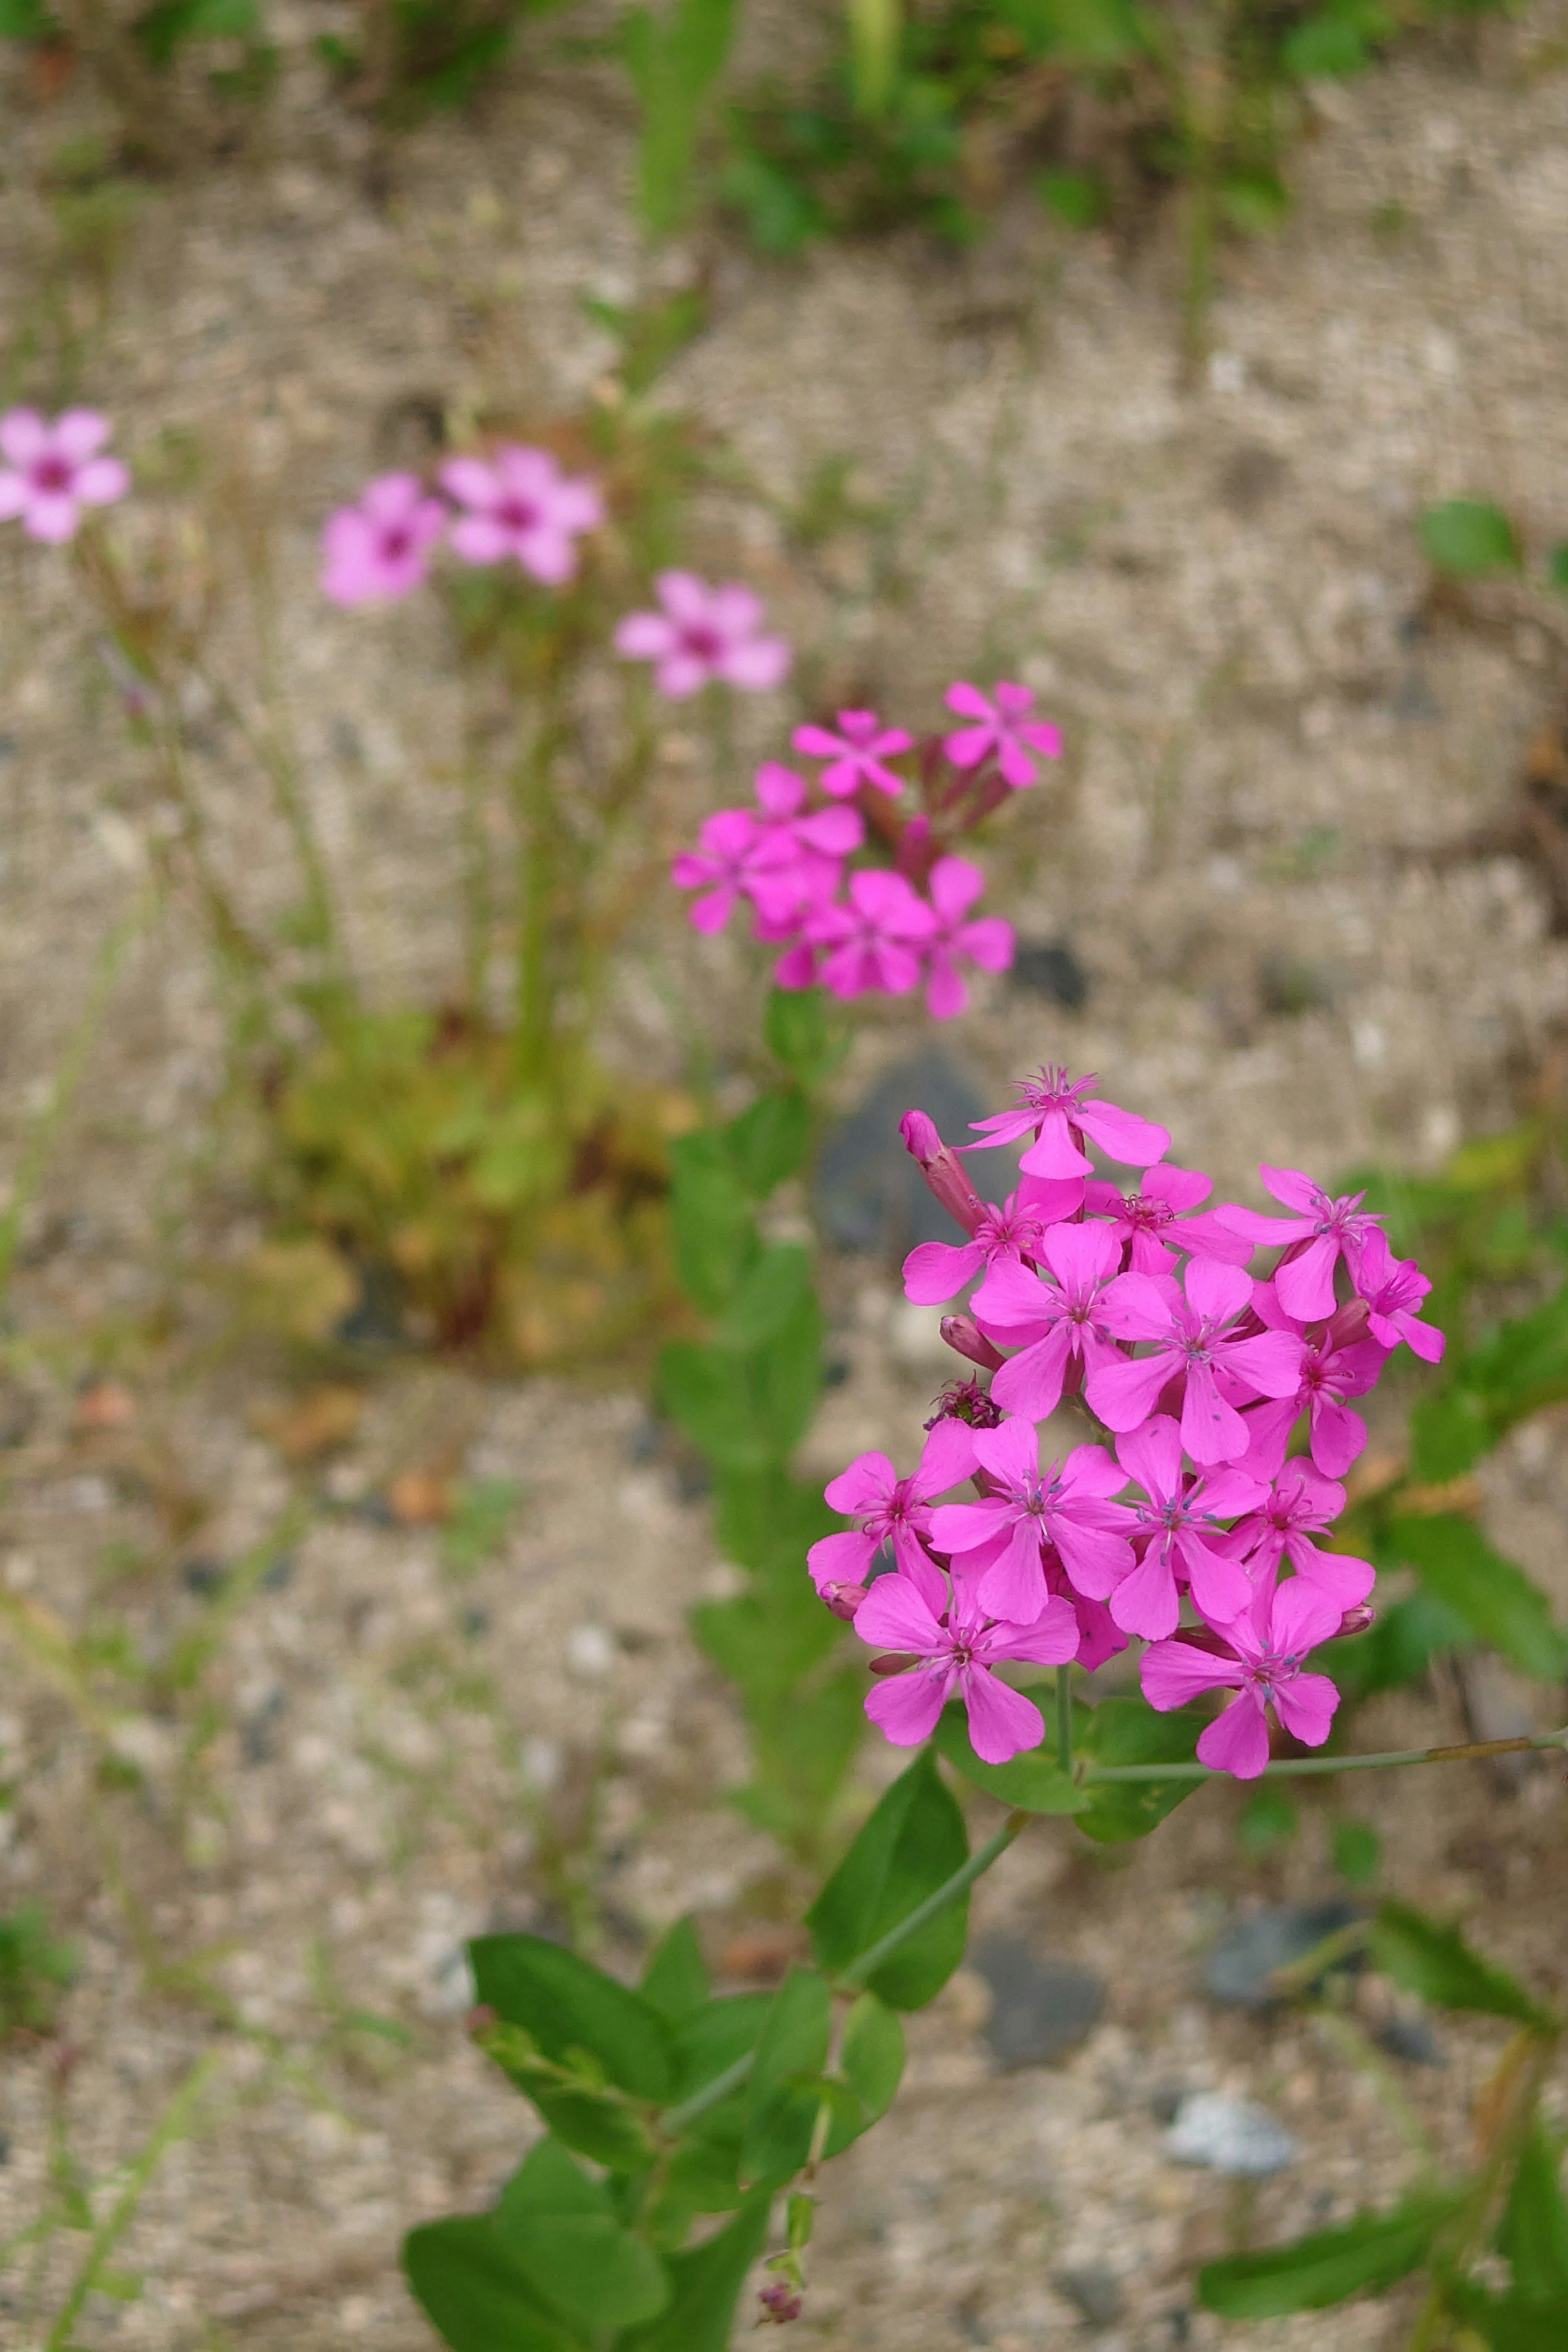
<point>882,928</point>
<point>52,471</point>
<point>1185,1521</point>
<point>517,506</point>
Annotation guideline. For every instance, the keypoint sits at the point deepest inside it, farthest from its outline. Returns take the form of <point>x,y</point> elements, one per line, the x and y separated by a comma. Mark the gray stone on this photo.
<point>1040,2008</point>
<point>1231,2135</point>
<point>870,1193</point>
<point>1093,2290</point>
<point>1049,967</point>
<point>1239,1971</point>
<point>1412,2039</point>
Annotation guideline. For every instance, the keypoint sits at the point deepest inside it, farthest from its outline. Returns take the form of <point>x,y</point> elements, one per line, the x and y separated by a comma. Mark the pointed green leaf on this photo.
<point>1469,539</point>
<point>1033,1781</point>
<point>567,2004</point>
<point>767,1295</point>
<point>1495,1598</point>
<point>712,1227</point>
<point>475,2293</point>
<point>562,2231</point>
<point>1436,1962</point>
<point>912,1844</point>
<point>769,1141</point>
<point>1130,1732</point>
<point>1363,2257</point>
<point>1534,2232</point>
<point>781,2113</point>
<point>676,1978</point>
<point>705,2287</point>
<point>871,2060</point>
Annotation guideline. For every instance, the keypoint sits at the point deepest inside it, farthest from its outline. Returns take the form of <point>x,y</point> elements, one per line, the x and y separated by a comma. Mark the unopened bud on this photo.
<point>844,1598</point>
<point>891,1662</point>
<point>965,1337</point>
<point>1356,1620</point>
<point>942,1169</point>
<point>780,2303</point>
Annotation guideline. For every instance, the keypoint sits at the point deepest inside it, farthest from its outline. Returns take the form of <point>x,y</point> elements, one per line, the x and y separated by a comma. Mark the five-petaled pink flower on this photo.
<point>1394,1289</point>
<point>856,754</point>
<point>734,858</point>
<point>1322,1231</point>
<point>997,1543</point>
<point>1300,1505</point>
<point>1146,1224</point>
<point>1339,1361</point>
<point>935,1271</point>
<point>1194,1337</point>
<point>703,634</point>
<point>1059,1112</point>
<point>1055,1324</point>
<point>803,856</point>
<point>957,1648</point>
<point>891,1510</point>
<point>1002,730</point>
<point>381,547</point>
<point>953,886</point>
<point>54,470</point>
<point>874,941</point>
<point>1269,1644</point>
<point>1180,1537</point>
<point>521,505</point>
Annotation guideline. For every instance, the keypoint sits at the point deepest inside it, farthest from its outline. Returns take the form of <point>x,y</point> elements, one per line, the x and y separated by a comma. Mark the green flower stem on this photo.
<point>1301,1766</point>
<point>1064,1719</point>
<point>852,1978</point>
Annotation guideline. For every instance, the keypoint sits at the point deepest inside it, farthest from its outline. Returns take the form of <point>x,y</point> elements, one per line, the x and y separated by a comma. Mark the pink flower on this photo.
<point>1322,1232</point>
<point>856,754</point>
<point>1139,1219</point>
<point>382,547</point>
<point>734,858</point>
<point>998,1542</point>
<point>954,887</point>
<point>1058,1322</point>
<point>1059,1112</point>
<point>1269,1646</point>
<point>703,634</point>
<point>1193,1338</point>
<point>54,470</point>
<point>875,941</point>
<point>1341,1363</point>
<point>890,1510</point>
<point>1179,1525</point>
<point>957,1648</point>
<point>935,1271</point>
<point>1004,732</point>
<point>1394,1289</point>
<point>1301,1504</point>
<point>524,506</point>
<point>803,856</point>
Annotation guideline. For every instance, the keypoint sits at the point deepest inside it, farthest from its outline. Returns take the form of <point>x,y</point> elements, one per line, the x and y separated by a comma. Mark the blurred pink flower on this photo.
<point>54,470</point>
<point>876,941</point>
<point>1002,731</point>
<point>524,506</point>
<point>381,547</point>
<point>856,754</point>
<point>954,887</point>
<point>703,634</point>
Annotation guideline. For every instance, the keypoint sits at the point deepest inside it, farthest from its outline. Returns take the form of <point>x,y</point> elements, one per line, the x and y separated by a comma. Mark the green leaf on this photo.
<point>1365,2257</point>
<point>800,1033</point>
<point>676,1978</point>
<point>1325,47</point>
<point>782,2100</point>
<point>715,2035</point>
<point>566,2005</point>
<point>1534,2231</point>
<point>673,61</point>
<point>26,20</point>
<point>1077,199</point>
<point>561,2229</point>
<point>476,2293</point>
<point>871,2060</point>
<point>1437,1962</point>
<point>1130,1732</point>
<point>1557,566</point>
<point>803,1744</point>
<point>1033,1781</point>
<point>1469,540</point>
<point>1508,2323</point>
<point>712,1231</point>
<point>708,1395</point>
<point>1257,203</point>
<point>705,2288</point>
<point>767,1521</point>
<point>765,1648</point>
<point>1268,1818</point>
<point>1449,1429</point>
<point>773,1289</point>
<point>1357,1851</point>
<point>912,1844</point>
<point>769,1141</point>
<point>1496,1598</point>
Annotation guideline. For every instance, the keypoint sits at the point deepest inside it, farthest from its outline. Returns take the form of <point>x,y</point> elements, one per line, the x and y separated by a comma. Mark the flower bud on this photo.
<point>890,1662</point>
<point>942,1169</point>
<point>844,1598</point>
<point>965,1337</point>
<point>780,2303</point>
<point>1356,1620</point>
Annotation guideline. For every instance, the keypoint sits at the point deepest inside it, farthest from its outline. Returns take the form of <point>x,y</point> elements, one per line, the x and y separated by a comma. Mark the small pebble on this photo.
<point>1039,2008</point>
<point>1239,1971</point>
<point>1092,2289</point>
<point>1231,2135</point>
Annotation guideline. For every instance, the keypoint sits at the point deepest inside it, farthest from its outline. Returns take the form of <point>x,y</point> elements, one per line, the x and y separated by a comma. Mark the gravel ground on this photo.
<point>1274,850</point>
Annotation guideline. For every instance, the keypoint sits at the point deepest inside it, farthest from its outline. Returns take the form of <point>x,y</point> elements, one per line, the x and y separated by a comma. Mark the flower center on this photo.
<point>518,514</point>
<point>394,545</point>
<point>702,641</point>
<point>52,475</point>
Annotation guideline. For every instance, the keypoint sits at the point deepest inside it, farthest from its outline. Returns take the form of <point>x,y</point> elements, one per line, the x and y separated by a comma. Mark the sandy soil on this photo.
<point>1278,752</point>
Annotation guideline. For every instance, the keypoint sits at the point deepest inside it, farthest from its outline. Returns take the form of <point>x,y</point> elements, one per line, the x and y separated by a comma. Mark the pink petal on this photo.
<point>79,433</point>
<point>1145,1603</point>
<point>1172,1673</point>
<point>968,702</point>
<point>990,943</point>
<point>896,1618</point>
<point>1269,1362</point>
<point>52,520</point>
<point>954,885</point>
<point>936,1271</point>
<point>1090,1474</point>
<point>1140,1306</point>
<point>1016,1302</point>
<point>1306,1284</point>
<point>1124,1394</point>
<point>1338,1435</point>
<point>1014,1586</point>
<point>1081,1256</point>
<point>1121,1136</point>
<point>1153,1454</point>
<point>546,552</point>
<point>1295,1189</point>
<point>947,1458</point>
<point>867,1484</point>
<point>1051,1641</point>
<point>710,913</point>
<point>1238,1740</point>
<point>1011,1453</point>
<point>100,480</point>
<point>13,495</point>
<point>470,481</point>
<point>1221,1588</point>
<point>478,540</point>
<point>757,664</point>
<point>1094,1560</point>
<point>684,597</point>
<point>1306,1707</point>
<point>969,745</point>
<point>1302,1617</point>
<point>1031,1383</point>
<point>679,675</point>
<point>946,993</point>
<point>958,1528</point>
<point>1017,768</point>
<point>1212,1430</point>
<point>907,1708</point>
<point>23,435</point>
<point>1426,1338</point>
<point>841,1558</point>
<point>1266,1232</point>
<point>1002,1721</point>
<point>1217,1292</point>
<point>735,611</point>
<point>1339,1574</point>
